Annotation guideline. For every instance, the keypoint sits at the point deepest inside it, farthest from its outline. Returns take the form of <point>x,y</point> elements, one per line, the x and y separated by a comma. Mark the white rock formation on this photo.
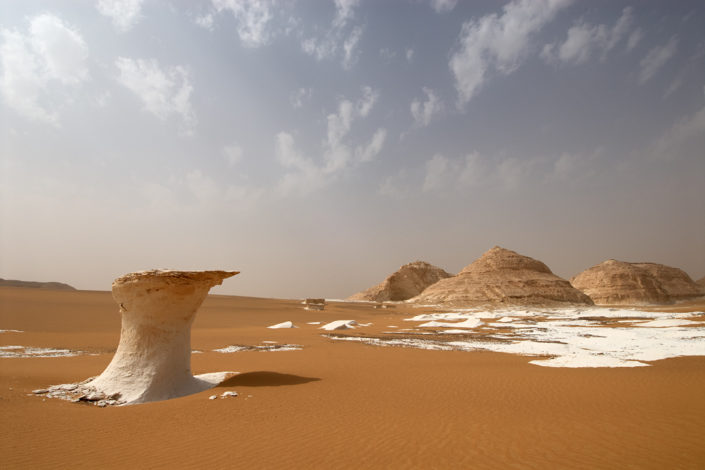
<point>286,324</point>
<point>153,359</point>
<point>339,325</point>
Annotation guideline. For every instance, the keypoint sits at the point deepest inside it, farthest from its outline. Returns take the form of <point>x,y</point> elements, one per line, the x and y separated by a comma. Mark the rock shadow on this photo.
<point>265,379</point>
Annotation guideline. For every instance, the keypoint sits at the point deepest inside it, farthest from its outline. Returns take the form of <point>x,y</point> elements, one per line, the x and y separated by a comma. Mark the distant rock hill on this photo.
<point>503,277</point>
<point>619,282</point>
<point>35,285</point>
<point>409,281</point>
<point>701,282</point>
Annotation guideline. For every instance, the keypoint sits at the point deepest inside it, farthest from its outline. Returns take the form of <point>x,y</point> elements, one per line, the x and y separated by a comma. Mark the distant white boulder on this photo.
<point>339,325</point>
<point>286,324</point>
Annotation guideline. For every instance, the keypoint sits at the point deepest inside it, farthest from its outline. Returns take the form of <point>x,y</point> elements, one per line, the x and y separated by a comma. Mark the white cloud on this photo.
<point>395,186</point>
<point>584,39</point>
<point>409,55</point>
<point>350,51</point>
<point>367,102</point>
<point>50,53</point>
<point>498,43</point>
<point>369,152</point>
<point>164,92</point>
<point>424,111</point>
<point>298,97</point>
<point>656,58</point>
<point>252,17</point>
<point>685,138</point>
<point>437,173</point>
<point>206,21</point>
<point>443,6</point>
<point>339,40</point>
<point>473,171</point>
<point>387,53</point>
<point>345,11</point>
<point>303,174</point>
<point>125,14</point>
<point>233,154</point>
<point>634,39</point>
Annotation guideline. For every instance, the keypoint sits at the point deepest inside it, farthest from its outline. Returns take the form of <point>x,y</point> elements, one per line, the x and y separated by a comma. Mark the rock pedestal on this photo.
<point>153,359</point>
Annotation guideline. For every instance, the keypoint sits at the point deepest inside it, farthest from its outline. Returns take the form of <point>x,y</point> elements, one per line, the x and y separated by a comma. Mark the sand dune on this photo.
<point>336,404</point>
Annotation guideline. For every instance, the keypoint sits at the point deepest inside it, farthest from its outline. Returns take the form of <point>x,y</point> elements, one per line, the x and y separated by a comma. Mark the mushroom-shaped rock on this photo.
<point>503,277</point>
<point>153,359</point>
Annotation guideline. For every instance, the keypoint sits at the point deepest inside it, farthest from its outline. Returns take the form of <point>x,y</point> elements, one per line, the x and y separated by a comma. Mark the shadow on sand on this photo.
<point>265,379</point>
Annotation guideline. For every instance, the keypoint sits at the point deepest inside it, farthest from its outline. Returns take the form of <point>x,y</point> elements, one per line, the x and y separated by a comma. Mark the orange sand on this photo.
<point>336,404</point>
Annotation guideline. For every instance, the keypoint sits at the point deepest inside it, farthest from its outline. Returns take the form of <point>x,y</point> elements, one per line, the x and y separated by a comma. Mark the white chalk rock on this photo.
<point>339,325</point>
<point>286,324</point>
<point>153,359</point>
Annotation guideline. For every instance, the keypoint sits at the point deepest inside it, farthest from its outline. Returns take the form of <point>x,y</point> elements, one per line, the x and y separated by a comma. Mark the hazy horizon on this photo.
<point>318,146</point>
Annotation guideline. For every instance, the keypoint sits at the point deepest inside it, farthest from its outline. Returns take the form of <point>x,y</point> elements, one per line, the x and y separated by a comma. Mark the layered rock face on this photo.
<point>618,282</point>
<point>153,359</point>
<point>701,282</point>
<point>410,280</point>
<point>503,277</point>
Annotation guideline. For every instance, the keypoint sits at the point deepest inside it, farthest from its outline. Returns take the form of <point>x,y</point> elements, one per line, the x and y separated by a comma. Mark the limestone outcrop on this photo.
<point>615,282</point>
<point>410,280</point>
<point>503,277</point>
<point>35,285</point>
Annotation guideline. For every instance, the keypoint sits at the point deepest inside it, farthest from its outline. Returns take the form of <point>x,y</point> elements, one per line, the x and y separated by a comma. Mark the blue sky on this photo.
<point>317,146</point>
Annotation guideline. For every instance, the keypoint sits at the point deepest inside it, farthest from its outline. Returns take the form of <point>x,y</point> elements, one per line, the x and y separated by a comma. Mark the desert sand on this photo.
<point>305,400</point>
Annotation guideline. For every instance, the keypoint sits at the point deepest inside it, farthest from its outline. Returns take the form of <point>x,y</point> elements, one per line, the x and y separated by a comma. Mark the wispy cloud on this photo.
<point>125,14</point>
<point>424,111</point>
<point>252,17</point>
<point>437,173</point>
<point>584,39</point>
<point>498,43</point>
<point>655,59</point>
<point>301,95</point>
<point>303,174</point>
<point>443,6</point>
<point>164,92</point>
<point>340,40</point>
<point>51,52</point>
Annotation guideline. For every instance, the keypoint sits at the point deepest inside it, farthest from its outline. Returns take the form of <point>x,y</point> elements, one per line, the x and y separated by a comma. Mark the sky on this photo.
<point>316,146</point>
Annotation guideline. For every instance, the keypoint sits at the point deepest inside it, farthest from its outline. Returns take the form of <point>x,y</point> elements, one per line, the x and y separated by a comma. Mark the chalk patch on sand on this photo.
<point>286,324</point>
<point>267,346</point>
<point>339,325</point>
<point>29,351</point>
<point>572,337</point>
<point>469,323</point>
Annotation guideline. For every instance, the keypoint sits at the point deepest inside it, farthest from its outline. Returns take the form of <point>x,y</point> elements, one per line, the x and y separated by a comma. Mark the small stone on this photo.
<point>228,394</point>
<point>213,397</point>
